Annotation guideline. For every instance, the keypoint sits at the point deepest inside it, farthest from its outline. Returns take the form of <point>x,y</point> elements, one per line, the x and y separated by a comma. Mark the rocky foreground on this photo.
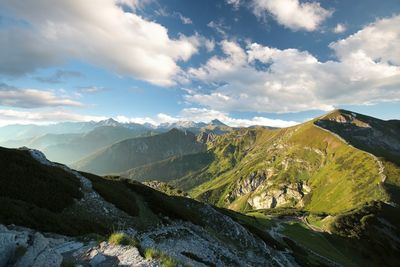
<point>22,247</point>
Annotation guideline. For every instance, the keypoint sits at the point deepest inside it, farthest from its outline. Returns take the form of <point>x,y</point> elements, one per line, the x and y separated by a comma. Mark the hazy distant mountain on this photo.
<point>134,152</point>
<point>76,140</point>
<point>16,132</point>
<point>215,126</point>
<point>83,145</point>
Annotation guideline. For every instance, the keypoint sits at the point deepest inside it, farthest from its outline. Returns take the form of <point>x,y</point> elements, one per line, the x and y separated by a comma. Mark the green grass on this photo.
<point>131,153</point>
<point>171,168</point>
<point>165,260</point>
<point>320,243</point>
<point>122,239</point>
<point>23,178</point>
<point>341,177</point>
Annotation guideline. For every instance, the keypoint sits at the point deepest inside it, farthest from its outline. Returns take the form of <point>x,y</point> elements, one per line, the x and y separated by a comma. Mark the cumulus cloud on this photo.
<point>32,98</point>
<point>98,32</point>
<point>379,41</point>
<point>265,79</point>
<point>293,14</point>
<point>11,116</point>
<point>339,28</point>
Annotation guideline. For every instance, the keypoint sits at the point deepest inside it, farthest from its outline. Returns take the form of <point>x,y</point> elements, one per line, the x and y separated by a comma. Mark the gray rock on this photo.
<point>7,247</point>
<point>39,245</point>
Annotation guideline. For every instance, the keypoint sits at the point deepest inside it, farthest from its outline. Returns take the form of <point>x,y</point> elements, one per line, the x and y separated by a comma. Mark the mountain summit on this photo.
<point>217,122</point>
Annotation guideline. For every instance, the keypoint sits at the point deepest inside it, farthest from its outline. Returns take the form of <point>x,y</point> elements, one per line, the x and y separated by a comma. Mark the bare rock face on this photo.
<point>22,247</point>
<point>249,184</point>
<point>265,194</point>
<point>116,255</point>
<point>285,194</point>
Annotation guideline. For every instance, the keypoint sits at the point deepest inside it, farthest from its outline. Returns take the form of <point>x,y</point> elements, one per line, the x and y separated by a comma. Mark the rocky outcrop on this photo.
<point>284,195</point>
<point>249,184</point>
<point>206,137</point>
<point>24,247</point>
<point>265,193</point>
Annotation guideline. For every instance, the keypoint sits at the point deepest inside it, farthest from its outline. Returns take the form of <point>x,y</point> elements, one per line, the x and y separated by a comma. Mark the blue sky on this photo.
<point>244,62</point>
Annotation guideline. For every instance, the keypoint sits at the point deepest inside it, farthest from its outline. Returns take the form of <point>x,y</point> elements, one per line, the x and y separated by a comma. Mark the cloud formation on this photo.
<point>32,98</point>
<point>207,115</point>
<point>11,116</point>
<point>98,32</point>
<point>293,14</point>
<point>265,79</point>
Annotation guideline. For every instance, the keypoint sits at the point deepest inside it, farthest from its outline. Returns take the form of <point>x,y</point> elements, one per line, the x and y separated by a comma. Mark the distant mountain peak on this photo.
<point>109,122</point>
<point>217,122</point>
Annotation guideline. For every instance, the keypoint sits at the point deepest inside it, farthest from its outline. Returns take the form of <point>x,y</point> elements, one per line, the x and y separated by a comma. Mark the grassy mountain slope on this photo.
<point>170,168</point>
<point>338,173</point>
<point>298,166</point>
<point>305,166</point>
<point>379,137</point>
<point>67,202</point>
<point>135,152</point>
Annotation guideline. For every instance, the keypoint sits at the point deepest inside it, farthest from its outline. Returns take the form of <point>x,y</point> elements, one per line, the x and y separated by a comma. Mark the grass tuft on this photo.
<point>122,239</point>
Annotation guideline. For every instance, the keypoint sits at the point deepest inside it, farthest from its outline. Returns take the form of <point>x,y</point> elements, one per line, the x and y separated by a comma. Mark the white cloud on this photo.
<point>185,20</point>
<point>207,115</point>
<point>293,14</point>
<point>234,3</point>
<point>219,26</point>
<point>340,28</point>
<point>10,116</point>
<point>32,98</point>
<point>98,32</point>
<point>379,41</point>
<point>209,44</point>
<point>265,79</point>
<point>90,89</point>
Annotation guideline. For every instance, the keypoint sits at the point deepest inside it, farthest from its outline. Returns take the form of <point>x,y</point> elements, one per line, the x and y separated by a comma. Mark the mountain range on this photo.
<point>70,142</point>
<point>322,193</point>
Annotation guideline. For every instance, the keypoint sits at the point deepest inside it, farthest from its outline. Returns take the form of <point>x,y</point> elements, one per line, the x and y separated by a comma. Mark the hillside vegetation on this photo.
<point>304,166</point>
<point>136,152</point>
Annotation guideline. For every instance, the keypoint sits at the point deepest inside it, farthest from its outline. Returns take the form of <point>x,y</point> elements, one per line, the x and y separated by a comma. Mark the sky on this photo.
<point>244,62</point>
